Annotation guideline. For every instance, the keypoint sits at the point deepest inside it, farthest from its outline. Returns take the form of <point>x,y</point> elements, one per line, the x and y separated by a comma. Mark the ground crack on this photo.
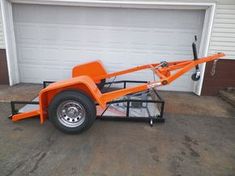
<point>17,167</point>
<point>32,162</point>
<point>188,143</point>
<point>38,160</point>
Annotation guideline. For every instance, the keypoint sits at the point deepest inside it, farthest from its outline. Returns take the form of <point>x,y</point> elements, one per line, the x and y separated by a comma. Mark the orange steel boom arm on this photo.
<point>163,73</point>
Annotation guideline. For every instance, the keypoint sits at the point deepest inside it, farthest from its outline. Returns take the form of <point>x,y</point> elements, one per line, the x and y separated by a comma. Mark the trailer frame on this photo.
<point>158,101</point>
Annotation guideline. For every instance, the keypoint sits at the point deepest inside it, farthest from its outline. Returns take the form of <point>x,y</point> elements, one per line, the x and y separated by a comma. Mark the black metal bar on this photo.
<point>133,100</point>
<point>162,104</point>
<point>133,119</point>
<point>25,102</point>
<point>46,83</point>
<point>162,110</point>
<point>105,110</point>
<point>148,111</point>
<point>195,56</point>
<point>133,81</point>
<point>128,108</point>
<point>159,97</point>
<point>14,103</point>
<point>13,110</point>
<point>124,85</point>
<point>127,81</point>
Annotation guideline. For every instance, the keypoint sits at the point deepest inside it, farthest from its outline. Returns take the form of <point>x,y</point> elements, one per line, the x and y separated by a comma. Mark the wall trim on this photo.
<point>204,45</point>
<point>119,4</point>
<point>9,36</point>
<point>6,6</point>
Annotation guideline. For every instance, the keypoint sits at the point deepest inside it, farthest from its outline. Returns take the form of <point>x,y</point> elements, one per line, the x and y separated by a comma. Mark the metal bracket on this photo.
<point>213,69</point>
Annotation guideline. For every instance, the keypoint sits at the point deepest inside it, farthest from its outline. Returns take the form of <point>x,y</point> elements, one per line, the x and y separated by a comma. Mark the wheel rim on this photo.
<point>71,113</point>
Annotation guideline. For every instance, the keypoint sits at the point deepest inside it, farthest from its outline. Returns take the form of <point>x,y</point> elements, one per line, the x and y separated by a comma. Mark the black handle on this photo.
<point>195,56</point>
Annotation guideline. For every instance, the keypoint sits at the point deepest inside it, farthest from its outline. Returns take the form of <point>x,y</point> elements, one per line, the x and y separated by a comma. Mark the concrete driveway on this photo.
<point>186,144</point>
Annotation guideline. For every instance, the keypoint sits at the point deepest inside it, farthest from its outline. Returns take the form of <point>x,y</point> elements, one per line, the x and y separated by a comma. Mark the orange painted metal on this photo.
<point>134,69</point>
<point>191,65</point>
<point>106,97</point>
<point>25,115</point>
<point>85,77</point>
<point>91,69</point>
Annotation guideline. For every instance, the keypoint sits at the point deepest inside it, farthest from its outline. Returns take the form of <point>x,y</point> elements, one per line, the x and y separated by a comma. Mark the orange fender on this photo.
<point>81,83</point>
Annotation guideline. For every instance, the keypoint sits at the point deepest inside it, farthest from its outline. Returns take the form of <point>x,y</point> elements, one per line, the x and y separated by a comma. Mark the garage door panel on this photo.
<point>39,54</point>
<point>120,16</point>
<point>42,74</point>
<point>58,34</point>
<point>26,32</point>
<point>52,39</point>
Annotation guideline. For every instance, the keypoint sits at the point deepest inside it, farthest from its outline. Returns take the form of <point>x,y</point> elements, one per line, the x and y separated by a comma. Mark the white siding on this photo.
<point>2,44</point>
<point>223,33</point>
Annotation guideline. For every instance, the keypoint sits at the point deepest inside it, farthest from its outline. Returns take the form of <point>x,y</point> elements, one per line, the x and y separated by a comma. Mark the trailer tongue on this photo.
<point>72,104</point>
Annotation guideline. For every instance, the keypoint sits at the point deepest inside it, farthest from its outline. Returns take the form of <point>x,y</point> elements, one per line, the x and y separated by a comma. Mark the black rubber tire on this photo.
<point>101,84</point>
<point>80,97</point>
<point>194,78</point>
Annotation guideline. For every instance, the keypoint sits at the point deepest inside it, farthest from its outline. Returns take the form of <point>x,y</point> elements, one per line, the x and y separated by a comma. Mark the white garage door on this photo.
<point>52,39</point>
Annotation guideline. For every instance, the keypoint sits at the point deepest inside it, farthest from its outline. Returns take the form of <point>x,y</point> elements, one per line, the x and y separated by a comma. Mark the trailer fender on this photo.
<point>81,83</point>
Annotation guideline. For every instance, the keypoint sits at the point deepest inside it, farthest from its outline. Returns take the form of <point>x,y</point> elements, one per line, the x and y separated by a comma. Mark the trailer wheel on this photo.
<point>195,77</point>
<point>72,111</point>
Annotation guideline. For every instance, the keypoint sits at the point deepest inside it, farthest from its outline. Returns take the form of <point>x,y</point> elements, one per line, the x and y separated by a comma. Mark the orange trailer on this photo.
<point>71,104</point>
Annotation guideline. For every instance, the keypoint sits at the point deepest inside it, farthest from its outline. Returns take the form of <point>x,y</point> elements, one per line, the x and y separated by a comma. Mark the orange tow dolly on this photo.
<point>72,105</point>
